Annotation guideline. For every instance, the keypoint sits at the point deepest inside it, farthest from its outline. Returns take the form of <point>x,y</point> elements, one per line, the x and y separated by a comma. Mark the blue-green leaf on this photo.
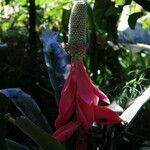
<point>27,106</point>
<point>56,60</point>
<point>12,145</point>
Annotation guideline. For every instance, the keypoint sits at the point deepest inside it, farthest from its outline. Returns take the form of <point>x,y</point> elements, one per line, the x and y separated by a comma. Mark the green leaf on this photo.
<point>133,19</point>
<point>7,2</point>
<point>22,2</point>
<point>5,25</point>
<point>12,145</point>
<point>129,114</point>
<point>120,2</point>
<point>146,24</point>
<point>113,11</point>
<point>4,103</point>
<point>38,135</point>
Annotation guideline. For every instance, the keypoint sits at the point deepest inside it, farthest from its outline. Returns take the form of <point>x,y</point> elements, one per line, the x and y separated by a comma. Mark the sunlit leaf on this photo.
<point>115,107</point>
<point>5,25</point>
<point>146,24</point>
<point>129,114</point>
<point>120,2</point>
<point>22,17</point>
<point>22,2</point>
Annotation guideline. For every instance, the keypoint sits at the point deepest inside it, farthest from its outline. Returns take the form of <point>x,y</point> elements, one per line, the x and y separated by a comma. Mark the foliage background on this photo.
<point>121,73</point>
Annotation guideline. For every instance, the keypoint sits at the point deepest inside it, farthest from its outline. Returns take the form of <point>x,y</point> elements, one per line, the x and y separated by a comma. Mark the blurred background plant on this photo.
<point>113,61</point>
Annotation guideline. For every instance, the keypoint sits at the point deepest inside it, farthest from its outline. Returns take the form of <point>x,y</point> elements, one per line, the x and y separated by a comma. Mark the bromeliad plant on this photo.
<point>78,107</point>
<point>80,116</point>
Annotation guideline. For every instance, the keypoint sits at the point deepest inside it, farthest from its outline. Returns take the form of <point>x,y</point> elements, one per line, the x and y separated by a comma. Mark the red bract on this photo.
<point>79,102</point>
<point>77,86</point>
<point>86,90</point>
<point>67,101</point>
<point>103,115</point>
<point>87,114</point>
<point>65,132</point>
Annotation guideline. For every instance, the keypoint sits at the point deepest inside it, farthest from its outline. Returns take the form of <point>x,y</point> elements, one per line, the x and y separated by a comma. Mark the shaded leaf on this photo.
<point>27,106</point>
<point>38,135</point>
<point>4,103</point>
<point>144,148</point>
<point>12,145</point>
<point>133,18</point>
<point>129,114</point>
<point>7,2</point>
<point>113,11</point>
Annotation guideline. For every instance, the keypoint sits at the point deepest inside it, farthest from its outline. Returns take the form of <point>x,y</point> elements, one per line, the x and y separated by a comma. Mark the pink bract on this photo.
<point>77,86</point>
<point>78,107</point>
